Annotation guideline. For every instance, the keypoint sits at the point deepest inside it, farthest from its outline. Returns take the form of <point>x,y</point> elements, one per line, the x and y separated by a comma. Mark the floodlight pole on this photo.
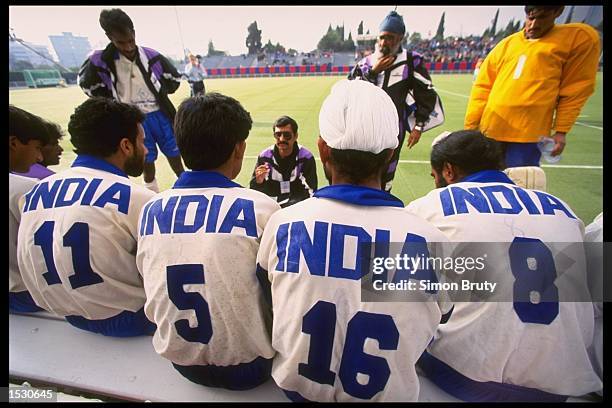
<point>180,32</point>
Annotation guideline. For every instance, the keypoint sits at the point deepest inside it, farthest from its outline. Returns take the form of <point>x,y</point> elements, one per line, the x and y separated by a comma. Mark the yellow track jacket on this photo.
<point>523,82</point>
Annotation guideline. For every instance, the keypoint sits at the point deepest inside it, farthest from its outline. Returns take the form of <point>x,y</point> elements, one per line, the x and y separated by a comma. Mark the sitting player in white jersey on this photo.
<point>531,345</point>
<point>78,235</point>
<point>593,238</point>
<point>27,135</point>
<point>197,249</point>
<point>331,345</point>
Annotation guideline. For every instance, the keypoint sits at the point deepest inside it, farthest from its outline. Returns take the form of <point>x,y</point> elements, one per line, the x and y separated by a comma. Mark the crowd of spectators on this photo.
<point>452,49</point>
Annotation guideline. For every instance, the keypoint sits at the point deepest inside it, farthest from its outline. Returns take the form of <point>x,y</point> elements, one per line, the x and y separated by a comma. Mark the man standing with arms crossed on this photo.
<point>140,76</point>
<point>399,73</point>
<point>543,71</point>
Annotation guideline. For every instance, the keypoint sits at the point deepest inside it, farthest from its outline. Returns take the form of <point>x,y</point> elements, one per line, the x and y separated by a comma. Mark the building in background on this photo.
<point>71,50</point>
<point>21,57</point>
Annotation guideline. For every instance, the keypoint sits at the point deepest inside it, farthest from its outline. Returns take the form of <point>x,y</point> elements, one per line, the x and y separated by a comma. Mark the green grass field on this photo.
<point>301,97</point>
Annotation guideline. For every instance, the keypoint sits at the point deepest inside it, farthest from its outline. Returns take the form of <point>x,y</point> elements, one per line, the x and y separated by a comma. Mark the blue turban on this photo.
<point>393,23</point>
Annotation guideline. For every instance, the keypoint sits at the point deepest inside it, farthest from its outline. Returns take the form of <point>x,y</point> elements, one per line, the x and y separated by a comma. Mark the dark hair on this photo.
<point>97,126</point>
<point>207,129</point>
<point>26,126</point>
<point>529,9</point>
<point>469,150</point>
<point>357,165</point>
<point>54,130</point>
<point>284,121</point>
<point>115,21</point>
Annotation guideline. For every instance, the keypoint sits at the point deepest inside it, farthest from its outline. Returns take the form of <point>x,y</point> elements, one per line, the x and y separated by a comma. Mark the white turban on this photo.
<point>440,137</point>
<point>358,115</point>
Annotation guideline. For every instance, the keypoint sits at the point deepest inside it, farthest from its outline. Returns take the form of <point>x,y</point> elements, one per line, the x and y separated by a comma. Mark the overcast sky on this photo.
<point>298,27</point>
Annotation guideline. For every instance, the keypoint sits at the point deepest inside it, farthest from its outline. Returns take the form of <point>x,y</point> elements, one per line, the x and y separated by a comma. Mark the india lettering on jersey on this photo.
<point>332,346</point>
<point>79,255</point>
<point>530,344</point>
<point>197,252</point>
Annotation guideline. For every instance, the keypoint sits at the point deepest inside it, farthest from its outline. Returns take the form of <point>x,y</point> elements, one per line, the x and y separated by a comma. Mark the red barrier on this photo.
<point>461,66</point>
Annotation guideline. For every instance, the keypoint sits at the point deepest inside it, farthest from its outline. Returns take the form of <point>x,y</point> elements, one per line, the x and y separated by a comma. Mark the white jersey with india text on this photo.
<point>537,345</point>
<point>331,345</point>
<point>77,241</point>
<point>197,252</point>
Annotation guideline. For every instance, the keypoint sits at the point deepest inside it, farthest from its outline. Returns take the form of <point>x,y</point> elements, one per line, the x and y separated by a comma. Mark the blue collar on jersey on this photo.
<point>359,195</point>
<point>203,179</point>
<point>487,176</point>
<point>85,160</point>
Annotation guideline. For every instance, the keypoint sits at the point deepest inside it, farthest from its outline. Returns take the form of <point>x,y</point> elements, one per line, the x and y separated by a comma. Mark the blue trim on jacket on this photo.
<point>92,162</point>
<point>359,195</point>
<point>487,176</point>
<point>203,179</point>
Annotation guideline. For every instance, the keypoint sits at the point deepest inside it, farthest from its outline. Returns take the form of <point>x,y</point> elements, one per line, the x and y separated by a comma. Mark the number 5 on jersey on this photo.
<point>189,274</point>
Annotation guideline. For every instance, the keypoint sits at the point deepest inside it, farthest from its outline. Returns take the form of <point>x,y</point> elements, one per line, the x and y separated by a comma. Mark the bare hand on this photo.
<point>383,63</point>
<point>261,172</point>
<point>559,139</point>
<point>414,137</point>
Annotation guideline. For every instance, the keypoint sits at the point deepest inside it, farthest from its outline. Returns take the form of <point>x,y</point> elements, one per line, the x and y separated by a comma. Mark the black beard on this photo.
<point>134,166</point>
<point>442,183</point>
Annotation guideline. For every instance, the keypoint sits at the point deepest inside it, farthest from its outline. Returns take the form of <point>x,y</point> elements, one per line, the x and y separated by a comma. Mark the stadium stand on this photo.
<point>344,59</point>
<point>212,62</point>
<point>120,368</point>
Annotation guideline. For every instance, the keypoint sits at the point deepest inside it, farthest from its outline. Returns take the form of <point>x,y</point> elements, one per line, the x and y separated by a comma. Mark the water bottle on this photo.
<point>546,146</point>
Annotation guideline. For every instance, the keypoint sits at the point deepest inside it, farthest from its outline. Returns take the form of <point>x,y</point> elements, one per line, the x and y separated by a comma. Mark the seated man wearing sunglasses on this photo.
<point>285,171</point>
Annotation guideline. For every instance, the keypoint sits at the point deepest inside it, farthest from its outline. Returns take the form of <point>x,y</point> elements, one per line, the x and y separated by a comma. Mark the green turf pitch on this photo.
<point>301,97</point>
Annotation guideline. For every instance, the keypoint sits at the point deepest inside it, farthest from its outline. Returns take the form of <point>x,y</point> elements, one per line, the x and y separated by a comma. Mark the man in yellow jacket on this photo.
<point>532,82</point>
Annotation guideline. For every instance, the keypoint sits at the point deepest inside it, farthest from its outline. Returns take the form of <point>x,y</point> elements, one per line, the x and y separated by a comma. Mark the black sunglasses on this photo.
<point>285,134</point>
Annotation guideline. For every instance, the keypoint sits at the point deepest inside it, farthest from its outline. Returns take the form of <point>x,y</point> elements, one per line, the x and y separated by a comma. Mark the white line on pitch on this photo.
<point>452,93</point>
<point>591,126</point>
